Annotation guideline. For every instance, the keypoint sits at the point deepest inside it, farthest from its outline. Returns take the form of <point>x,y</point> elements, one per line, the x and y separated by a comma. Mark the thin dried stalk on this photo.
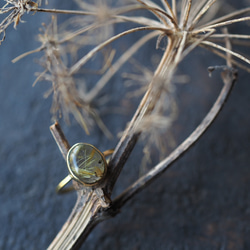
<point>229,16</point>
<point>119,63</point>
<point>186,11</point>
<point>237,36</point>
<point>60,139</point>
<point>202,12</point>
<point>234,62</point>
<point>88,56</point>
<point>226,23</point>
<point>133,131</point>
<point>226,50</point>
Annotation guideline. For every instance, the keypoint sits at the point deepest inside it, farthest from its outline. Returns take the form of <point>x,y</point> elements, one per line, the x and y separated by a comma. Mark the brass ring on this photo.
<point>60,189</point>
<point>86,165</point>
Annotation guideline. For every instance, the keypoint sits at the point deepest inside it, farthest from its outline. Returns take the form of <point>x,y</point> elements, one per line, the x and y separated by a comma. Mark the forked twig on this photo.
<point>91,208</point>
<point>229,77</point>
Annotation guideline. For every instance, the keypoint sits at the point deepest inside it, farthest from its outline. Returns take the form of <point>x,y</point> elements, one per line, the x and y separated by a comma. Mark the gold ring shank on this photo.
<point>61,189</point>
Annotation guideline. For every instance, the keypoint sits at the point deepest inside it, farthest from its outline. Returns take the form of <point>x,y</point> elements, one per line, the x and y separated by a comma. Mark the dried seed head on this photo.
<point>16,9</point>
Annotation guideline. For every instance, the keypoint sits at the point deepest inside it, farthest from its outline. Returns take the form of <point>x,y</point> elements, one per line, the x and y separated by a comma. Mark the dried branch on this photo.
<point>60,139</point>
<point>88,56</point>
<point>119,63</point>
<point>93,207</point>
<point>184,34</point>
<point>84,217</point>
<point>229,77</point>
<point>89,203</point>
<point>243,58</point>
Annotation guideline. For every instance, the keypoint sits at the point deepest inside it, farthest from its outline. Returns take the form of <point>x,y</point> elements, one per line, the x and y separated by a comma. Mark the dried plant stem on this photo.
<point>57,11</point>
<point>174,9</point>
<point>161,15</point>
<point>88,56</point>
<point>226,23</point>
<point>165,71</point>
<point>27,53</point>
<point>228,16</point>
<point>238,36</point>
<point>184,33</point>
<point>202,12</point>
<point>90,209</point>
<point>93,204</point>
<point>169,10</point>
<point>100,199</point>
<point>235,63</point>
<point>118,11</point>
<point>207,43</point>
<point>60,139</point>
<point>88,205</point>
<point>82,220</point>
<point>185,10</point>
<point>229,77</point>
<point>118,64</point>
<point>131,134</point>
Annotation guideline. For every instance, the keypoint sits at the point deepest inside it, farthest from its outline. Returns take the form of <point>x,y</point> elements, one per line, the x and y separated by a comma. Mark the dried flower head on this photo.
<point>17,8</point>
<point>68,96</point>
<point>185,24</point>
<point>186,27</point>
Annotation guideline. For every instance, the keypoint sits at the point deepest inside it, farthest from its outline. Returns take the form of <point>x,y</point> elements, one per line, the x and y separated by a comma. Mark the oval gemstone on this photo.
<point>86,163</point>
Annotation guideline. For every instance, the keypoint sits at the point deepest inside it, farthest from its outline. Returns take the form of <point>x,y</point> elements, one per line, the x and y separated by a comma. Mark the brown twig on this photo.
<point>92,206</point>
<point>60,139</point>
<point>132,133</point>
<point>84,215</point>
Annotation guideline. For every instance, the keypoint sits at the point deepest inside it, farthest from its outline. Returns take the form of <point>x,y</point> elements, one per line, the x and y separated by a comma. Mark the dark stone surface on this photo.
<point>202,202</point>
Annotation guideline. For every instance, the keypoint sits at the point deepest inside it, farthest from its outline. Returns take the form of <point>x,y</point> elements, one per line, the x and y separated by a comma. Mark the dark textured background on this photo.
<point>202,202</point>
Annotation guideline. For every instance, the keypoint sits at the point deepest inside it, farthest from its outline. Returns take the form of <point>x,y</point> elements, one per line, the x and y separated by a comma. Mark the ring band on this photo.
<point>61,189</point>
<point>86,165</point>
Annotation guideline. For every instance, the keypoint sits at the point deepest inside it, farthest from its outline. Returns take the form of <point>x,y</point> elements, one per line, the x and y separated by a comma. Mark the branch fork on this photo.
<point>93,205</point>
